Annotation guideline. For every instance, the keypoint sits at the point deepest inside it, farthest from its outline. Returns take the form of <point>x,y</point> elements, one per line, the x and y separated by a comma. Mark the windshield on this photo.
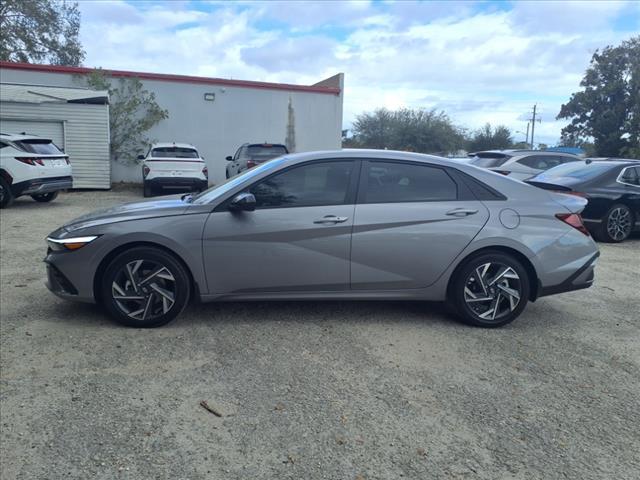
<point>579,170</point>
<point>174,152</point>
<point>218,190</point>
<point>41,147</point>
<point>266,151</point>
<point>488,162</point>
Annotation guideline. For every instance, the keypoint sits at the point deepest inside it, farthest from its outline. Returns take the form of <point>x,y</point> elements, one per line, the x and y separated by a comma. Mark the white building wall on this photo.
<point>217,128</point>
<point>85,136</point>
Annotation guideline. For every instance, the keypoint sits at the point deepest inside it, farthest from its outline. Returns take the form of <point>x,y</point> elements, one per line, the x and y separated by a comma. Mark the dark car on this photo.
<point>251,154</point>
<point>612,188</point>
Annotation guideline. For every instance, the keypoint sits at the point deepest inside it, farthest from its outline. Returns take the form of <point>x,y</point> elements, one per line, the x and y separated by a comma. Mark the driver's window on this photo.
<point>322,183</point>
<point>237,155</point>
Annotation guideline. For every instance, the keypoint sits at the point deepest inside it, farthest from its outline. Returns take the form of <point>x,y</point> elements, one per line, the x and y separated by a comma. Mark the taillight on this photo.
<point>145,171</point>
<point>30,161</point>
<point>66,159</point>
<point>573,219</point>
<point>205,172</point>
<point>251,164</point>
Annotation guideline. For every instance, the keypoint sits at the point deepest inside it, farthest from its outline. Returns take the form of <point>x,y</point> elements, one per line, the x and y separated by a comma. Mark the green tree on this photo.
<point>40,31</point>
<point>488,138</point>
<point>608,107</point>
<point>414,130</point>
<point>132,112</point>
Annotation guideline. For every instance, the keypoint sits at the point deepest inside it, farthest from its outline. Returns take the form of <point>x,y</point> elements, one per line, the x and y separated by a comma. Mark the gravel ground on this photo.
<point>333,390</point>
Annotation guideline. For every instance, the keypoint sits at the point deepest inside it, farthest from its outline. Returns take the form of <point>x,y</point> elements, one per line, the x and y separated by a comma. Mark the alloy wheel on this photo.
<point>492,291</point>
<point>144,289</point>
<point>619,223</point>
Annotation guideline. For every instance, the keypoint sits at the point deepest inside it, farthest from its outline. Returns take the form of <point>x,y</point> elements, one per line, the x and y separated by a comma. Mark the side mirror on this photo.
<point>140,157</point>
<point>243,202</point>
<point>229,158</point>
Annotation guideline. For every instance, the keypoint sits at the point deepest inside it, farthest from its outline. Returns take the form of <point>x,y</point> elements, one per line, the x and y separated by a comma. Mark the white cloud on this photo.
<point>479,66</point>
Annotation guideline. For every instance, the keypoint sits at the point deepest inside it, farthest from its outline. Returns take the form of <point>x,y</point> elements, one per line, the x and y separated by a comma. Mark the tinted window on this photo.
<point>41,147</point>
<point>543,162</point>
<point>174,152</point>
<point>631,176</point>
<point>314,184</point>
<point>403,182</point>
<point>486,160</point>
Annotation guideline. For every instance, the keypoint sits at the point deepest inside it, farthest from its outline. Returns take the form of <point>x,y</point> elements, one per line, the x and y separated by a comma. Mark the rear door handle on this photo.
<point>461,212</point>
<point>331,219</point>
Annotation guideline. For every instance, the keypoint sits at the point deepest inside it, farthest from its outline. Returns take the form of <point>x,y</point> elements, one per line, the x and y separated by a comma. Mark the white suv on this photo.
<point>31,165</point>
<point>176,166</point>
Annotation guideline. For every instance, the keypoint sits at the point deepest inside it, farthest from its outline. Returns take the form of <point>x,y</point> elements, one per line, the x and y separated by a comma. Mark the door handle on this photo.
<point>461,212</point>
<point>331,219</point>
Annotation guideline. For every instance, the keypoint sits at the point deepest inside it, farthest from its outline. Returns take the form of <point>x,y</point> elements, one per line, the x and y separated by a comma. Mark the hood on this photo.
<point>159,207</point>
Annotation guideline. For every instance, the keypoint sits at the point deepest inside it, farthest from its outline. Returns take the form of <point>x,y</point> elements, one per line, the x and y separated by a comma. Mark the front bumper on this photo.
<point>37,186</point>
<point>581,278</point>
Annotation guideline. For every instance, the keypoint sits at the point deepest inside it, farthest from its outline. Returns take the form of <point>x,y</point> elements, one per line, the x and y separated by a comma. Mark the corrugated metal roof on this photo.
<point>13,92</point>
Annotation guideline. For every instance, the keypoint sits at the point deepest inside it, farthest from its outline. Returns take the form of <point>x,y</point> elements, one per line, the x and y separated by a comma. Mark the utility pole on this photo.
<point>526,140</point>
<point>533,121</point>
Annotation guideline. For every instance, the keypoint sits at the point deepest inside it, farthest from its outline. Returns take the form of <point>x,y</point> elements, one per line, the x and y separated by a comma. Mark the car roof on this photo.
<point>613,160</point>
<point>172,145</point>
<point>16,137</point>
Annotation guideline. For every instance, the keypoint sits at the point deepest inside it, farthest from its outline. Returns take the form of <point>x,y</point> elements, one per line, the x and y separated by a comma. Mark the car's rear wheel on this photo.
<point>147,190</point>
<point>489,290</point>
<point>45,197</point>
<point>616,224</point>
<point>6,196</point>
<point>145,287</point>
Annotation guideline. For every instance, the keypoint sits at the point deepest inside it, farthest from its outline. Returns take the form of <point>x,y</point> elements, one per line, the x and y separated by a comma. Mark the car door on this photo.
<point>297,239</point>
<point>411,221</point>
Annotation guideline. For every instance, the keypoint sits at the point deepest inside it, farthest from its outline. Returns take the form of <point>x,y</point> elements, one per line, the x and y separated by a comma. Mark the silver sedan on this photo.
<point>346,224</point>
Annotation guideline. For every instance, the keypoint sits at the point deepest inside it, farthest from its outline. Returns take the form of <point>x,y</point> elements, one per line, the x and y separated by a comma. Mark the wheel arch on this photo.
<point>7,176</point>
<point>534,282</point>
<point>102,266</point>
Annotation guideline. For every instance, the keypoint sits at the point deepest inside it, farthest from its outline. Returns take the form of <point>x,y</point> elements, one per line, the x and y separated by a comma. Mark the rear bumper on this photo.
<point>41,185</point>
<point>581,278</point>
<point>178,183</point>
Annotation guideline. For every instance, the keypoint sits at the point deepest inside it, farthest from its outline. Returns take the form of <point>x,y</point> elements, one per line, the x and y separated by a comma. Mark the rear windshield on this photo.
<point>41,147</point>
<point>174,152</point>
<point>266,151</point>
<point>489,160</point>
<point>578,170</point>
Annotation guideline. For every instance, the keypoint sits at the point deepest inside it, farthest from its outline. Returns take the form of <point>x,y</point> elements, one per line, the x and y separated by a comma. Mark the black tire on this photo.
<point>45,197</point>
<point>474,312</point>
<point>147,190</point>
<point>149,292</point>
<point>616,225</point>
<point>6,196</point>
<point>226,173</point>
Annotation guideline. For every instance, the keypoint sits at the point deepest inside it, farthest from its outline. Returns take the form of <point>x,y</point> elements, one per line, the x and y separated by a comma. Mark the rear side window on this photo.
<point>543,162</point>
<point>174,152</point>
<point>40,147</point>
<point>304,186</point>
<point>388,182</point>
<point>630,176</point>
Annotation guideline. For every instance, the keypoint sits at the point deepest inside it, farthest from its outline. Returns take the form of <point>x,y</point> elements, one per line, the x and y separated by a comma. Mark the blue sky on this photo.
<point>480,62</point>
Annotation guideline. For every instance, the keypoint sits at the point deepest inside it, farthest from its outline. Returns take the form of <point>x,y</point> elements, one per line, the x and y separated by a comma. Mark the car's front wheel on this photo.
<point>489,290</point>
<point>145,287</point>
<point>616,224</point>
<point>45,197</point>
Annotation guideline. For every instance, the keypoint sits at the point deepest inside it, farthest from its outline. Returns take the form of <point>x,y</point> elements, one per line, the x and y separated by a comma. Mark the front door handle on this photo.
<point>331,219</point>
<point>461,212</point>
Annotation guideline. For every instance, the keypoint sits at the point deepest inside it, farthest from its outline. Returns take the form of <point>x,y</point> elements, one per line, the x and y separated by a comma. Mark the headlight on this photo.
<point>64,244</point>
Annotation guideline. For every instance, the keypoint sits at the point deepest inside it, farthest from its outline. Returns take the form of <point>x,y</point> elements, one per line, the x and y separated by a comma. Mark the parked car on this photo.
<point>173,166</point>
<point>347,224</point>
<point>31,165</point>
<point>251,154</point>
<point>520,164</point>
<point>612,188</point>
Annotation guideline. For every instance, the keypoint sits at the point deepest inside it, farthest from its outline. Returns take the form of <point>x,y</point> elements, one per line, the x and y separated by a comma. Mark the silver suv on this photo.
<point>520,164</point>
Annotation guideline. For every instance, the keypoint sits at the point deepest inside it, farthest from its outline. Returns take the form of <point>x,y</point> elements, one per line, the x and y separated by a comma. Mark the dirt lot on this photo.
<point>314,390</point>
